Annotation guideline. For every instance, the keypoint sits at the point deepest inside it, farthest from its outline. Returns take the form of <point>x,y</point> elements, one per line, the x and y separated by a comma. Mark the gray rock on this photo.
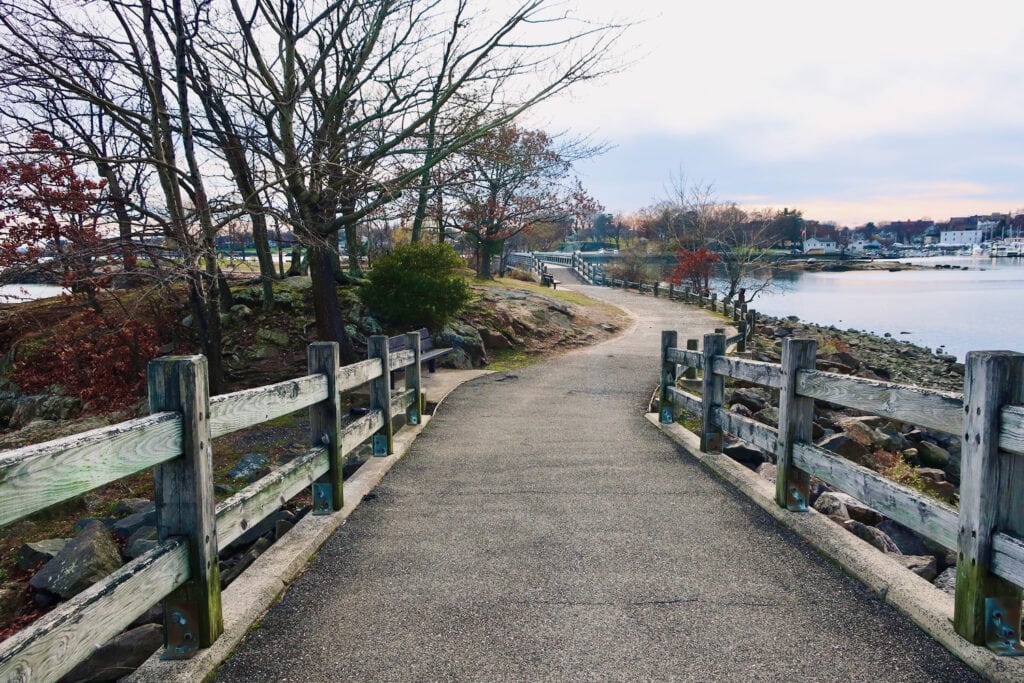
<point>947,580</point>
<point>124,528</point>
<point>465,337</point>
<point>841,444</point>
<point>119,657</point>
<point>258,530</point>
<point>768,470</point>
<point>932,455</point>
<point>754,399</point>
<point>858,510</point>
<point>768,416</point>
<point>922,565</point>
<point>132,506</point>
<point>741,410</point>
<point>140,547</point>
<point>456,359</point>
<point>370,325</point>
<point>59,407</point>
<point>831,505</point>
<point>86,521</point>
<point>249,466</point>
<point>245,561</point>
<point>271,336</point>
<point>871,535</point>
<point>87,558</point>
<point>744,454</point>
<point>906,540</point>
<point>264,351</point>
<point>31,555</point>
<point>494,339</point>
<point>281,528</point>
<point>240,312</point>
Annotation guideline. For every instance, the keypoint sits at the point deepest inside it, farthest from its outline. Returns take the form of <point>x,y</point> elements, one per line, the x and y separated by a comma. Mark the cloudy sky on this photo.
<point>874,110</point>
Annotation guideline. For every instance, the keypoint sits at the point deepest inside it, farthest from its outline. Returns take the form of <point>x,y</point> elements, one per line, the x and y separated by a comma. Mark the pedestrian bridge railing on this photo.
<point>987,532</point>
<point>176,440</point>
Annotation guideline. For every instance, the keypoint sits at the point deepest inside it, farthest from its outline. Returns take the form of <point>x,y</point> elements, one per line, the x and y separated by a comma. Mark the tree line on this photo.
<point>316,116</point>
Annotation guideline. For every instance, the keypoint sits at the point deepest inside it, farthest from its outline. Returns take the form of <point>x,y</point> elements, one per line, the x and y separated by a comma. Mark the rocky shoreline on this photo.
<point>925,460</point>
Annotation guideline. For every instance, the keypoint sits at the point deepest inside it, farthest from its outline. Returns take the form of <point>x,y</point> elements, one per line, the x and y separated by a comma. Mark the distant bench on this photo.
<point>428,354</point>
<point>549,281</point>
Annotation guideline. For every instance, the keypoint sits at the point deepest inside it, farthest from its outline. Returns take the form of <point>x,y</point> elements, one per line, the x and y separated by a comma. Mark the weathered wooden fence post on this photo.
<point>987,608</point>
<point>185,504</point>
<point>741,346</point>
<point>380,395</point>
<point>325,427</point>
<point>712,395</point>
<point>714,301</point>
<point>669,340</point>
<point>414,379</point>
<point>796,422</point>
<point>690,372</point>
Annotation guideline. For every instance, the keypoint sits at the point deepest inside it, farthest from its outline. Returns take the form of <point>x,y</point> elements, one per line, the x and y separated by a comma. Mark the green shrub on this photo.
<point>417,285</point>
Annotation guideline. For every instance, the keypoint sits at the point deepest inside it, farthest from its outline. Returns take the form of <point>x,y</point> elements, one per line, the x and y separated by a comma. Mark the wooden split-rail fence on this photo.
<point>987,532</point>
<point>176,440</point>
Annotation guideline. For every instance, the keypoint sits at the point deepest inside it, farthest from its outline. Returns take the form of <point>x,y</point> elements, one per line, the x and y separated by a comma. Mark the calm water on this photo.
<point>11,294</point>
<point>963,310</point>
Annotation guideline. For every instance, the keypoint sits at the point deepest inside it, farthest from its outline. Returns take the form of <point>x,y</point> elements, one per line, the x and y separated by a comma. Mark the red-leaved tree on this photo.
<point>694,268</point>
<point>49,217</point>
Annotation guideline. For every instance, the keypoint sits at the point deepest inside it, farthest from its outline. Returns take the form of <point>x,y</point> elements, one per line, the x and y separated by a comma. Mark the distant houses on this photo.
<point>820,245</point>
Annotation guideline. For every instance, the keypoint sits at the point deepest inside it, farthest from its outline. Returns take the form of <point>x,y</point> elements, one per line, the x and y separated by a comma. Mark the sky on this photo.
<point>852,112</point>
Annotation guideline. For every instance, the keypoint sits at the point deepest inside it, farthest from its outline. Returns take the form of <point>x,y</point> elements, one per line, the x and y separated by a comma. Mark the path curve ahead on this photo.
<point>540,529</point>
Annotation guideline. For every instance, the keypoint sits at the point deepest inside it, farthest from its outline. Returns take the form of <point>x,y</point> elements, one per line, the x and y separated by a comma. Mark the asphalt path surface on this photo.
<point>540,529</point>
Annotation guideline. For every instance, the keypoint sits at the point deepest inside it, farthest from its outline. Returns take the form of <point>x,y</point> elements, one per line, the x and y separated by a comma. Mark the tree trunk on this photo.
<point>297,264</point>
<point>227,299</point>
<point>330,324</point>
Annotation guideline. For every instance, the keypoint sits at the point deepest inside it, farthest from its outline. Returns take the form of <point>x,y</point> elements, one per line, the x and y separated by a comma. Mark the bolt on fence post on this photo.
<point>712,396</point>
<point>185,504</point>
<point>322,358</point>
<point>380,394</point>
<point>990,501</point>
<point>796,423</point>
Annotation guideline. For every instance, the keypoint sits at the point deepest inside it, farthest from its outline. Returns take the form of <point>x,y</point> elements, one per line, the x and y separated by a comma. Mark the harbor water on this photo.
<point>980,308</point>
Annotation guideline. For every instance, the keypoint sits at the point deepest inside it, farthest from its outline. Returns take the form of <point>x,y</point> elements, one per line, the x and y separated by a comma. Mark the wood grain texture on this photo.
<point>242,409</point>
<point>359,431</point>
<point>669,340</point>
<point>414,375</point>
<point>683,400</point>
<point>401,359</point>
<point>753,432</point>
<point>922,407</point>
<point>796,421</point>
<point>691,359</point>
<point>993,380</point>
<point>35,477</point>
<point>765,374</point>
<point>357,374</point>
<point>1011,429</point>
<point>380,391</point>
<point>910,508</point>
<point>325,417</point>
<point>712,394</point>
<point>401,401</point>
<point>62,638</point>
<point>1008,558</point>
<point>252,504</point>
<point>185,503</point>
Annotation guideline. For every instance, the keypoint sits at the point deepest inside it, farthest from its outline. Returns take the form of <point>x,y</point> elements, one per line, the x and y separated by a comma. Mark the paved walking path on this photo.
<point>540,529</point>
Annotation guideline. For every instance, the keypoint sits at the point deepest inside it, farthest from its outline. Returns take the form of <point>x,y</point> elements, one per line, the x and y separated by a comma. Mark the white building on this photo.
<point>861,246</point>
<point>960,238</point>
<point>817,245</point>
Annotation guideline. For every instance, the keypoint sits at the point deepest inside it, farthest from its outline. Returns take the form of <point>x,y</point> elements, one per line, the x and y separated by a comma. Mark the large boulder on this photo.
<point>744,454</point>
<point>272,336</point>
<point>909,542</point>
<point>932,455</point>
<point>466,337</point>
<point>844,446</point>
<point>32,555</point>
<point>86,559</point>
<point>119,657</point>
<point>871,535</point>
<point>754,399</point>
<point>124,528</point>
<point>922,565</point>
<point>248,466</point>
<point>768,416</point>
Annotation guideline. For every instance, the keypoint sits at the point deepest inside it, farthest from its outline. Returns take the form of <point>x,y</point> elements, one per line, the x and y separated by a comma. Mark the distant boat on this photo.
<point>1007,248</point>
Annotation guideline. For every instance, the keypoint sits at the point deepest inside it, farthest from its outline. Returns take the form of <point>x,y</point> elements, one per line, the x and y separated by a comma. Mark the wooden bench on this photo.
<point>549,281</point>
<point>428,354</point>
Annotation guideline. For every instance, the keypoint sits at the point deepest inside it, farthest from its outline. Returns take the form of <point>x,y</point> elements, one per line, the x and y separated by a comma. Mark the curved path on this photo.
<point>540,529</point>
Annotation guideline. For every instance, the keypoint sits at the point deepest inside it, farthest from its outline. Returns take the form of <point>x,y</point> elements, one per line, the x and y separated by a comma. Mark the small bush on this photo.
<point>417,285</point>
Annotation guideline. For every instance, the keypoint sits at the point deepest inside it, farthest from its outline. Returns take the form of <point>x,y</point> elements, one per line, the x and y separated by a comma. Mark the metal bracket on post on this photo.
<point>666,415</point>
<point>323,493</point>
<point>413,416</point>
<point>380,445</point>
<point>1002,626</point>
<point>180,639</point>
<point>796,496</point>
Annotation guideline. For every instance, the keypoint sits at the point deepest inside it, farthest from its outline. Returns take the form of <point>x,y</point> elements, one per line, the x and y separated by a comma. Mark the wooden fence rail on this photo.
<point>181,571</point>
<point>988,530</point>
